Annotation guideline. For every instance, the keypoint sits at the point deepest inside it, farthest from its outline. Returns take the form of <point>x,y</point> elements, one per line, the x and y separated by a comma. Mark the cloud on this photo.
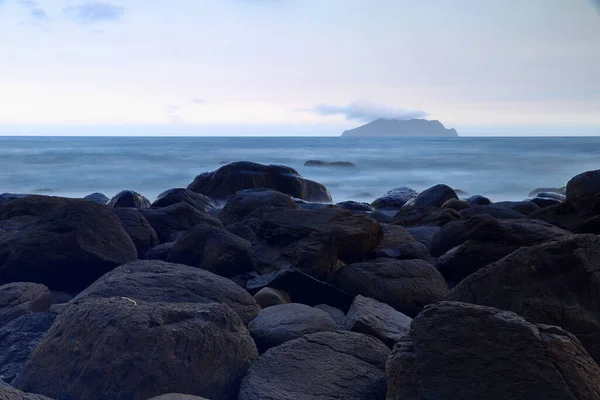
<point>91,12</point>
<point>366,111</point>
<point>37,13</point>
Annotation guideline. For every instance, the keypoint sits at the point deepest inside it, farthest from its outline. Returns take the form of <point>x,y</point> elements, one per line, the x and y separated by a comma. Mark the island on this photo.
<point>401,128</point>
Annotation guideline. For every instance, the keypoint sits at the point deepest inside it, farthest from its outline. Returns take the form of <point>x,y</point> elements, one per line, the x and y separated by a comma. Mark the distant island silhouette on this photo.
<point>401,128</point>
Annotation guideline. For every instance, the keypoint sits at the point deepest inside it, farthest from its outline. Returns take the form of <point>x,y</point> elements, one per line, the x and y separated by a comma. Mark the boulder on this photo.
<point>10,393</point>
<point>487,240</point>
<point>448,237</point>
<point>314,240</point>
<point>525,207</point>
<point>155,281</point>
<point>555,190</point>
<point>430,216</point>
<point>592,225</point>
<point>424,234</point>
<point>406,285</point>
<point>338,315</point>
<point>543,202</point>
<point>214,249</point>
<point>196,200</point>
<point>129,199</point>
<point>584,185</point>
<point>302,288</point>
<point>232,178</point>
<point>464,351</point>
<point>268,297</point>
<point>281,323</point>
<point>34,206</point>
<point>435,196</point>
<point>160,252</point>
<point>456,204</point>
<point>551,195</point>
<point>356,206</point>
<point>478,200</point>
<point>171,221</point>
<point>329,365</point>
<point>143,349</point>
<point>541,282</point>
<point>499,212</point>
<point>98,198</point>
<point>142,235</point>
<point>242,230</point>
<point>18,339</point>
<point>247,201</point>
<point>570,215</point>
<point>395,198</point>
<point>67,251</point>
<point>3,200</point>
<point>177,396</point>
<point>394,236</point>
<point>407,251</point>
<point>20,298</point>
<point>377,319</point>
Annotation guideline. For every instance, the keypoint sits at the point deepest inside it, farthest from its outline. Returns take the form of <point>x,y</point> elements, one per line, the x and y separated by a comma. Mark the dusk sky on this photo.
<point>298,66</point>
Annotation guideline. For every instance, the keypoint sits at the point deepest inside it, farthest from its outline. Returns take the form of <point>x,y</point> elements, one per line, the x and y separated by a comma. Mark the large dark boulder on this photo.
<point>478,200</point>
<point>525,207</point>
<point>487,240</point>
<point>247,201</point>
<point>213,249</point>
<point>34,206</point>
<point>142,235</point>
<point>177,396</point>
<point>435,196</point>
<point>171,221</point>
<point>155,281</point>
<point>465,351</point>
<point>20,298</point>
<point>456,205</point>
<point>395,198</point>
<point>18,339</point>
<point>101,348</point>
<point>281,323</point>
<point>231,178</point>
<point>302,288</point>
<point>583,186</point>
<point>329,365</point>
<point>377,319</point>
<point>160,252</point>
<point>432,216</point>
<point>98,198</point>
<point>494,210</point>
<point>394,236</point>
<point>406,285</point>
<point>68,250</point>
<point>541,282</point>
<point>314,240</point>
<point>408,251</point>
<point>10,393</point>
<point>174,196</point>
<point>129,199</point>
<point>424,234</point>
<point>571,215</point>
<point>269,297</point>
<point>356,206</point>
<point>448,237</point>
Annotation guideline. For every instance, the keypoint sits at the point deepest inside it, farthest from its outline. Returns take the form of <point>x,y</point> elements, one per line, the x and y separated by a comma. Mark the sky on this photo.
<point>298,67</point>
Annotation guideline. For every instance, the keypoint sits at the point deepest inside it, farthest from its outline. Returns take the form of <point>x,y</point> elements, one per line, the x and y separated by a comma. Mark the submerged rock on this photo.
<point>320,163</point>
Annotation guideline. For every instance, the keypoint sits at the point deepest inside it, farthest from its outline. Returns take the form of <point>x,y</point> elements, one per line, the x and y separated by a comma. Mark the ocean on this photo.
<point>501,168</point>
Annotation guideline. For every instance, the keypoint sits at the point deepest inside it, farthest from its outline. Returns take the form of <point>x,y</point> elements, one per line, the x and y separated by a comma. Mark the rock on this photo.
<point>487,240</point>
<point>338,315</point>
<point>432,216</point>
<point>242,230</point>
<point>281,323</point>
<point>22,298</point>
<point>319,163</point>
<point>213,249</point>
<point>142,235</point>
<point>524,207</point>
<point>448,237</point>
<point>56,309</point>
<point>499,212</point>
<point>406,285</point>
<point>34,206</point>
<point>17,223</point>
<point>394,236</point>
<point>408,251</point>
<point>313,241</point>
<point>379,320</point>
<point>99,198</point>
<point>245,202</point>
<point>171,221</point>
<point>541,282</point>
<point>424,234</point>
<point>268,297</point>
<point>18,339</point>
<point>543,202</point>
<point>551,195</point>
<point>435,196</point>
<point>570,215</point>
<point>155,281</point>
<point>174,196</point>
<point>382,216</point>
<point>129,199</point>
<point>3,200</point>
<point>464,351</point>
<point>302,288</point>
<point>356,206</point>
<point>591,226</point>
<point>395,198</point>
<point>177,396</point>
<point>59,297</point>
<point>456,205</point>
<point>584,185</point>
<point>535,192</point>
<point>478,200</point>
<point>231,178</point>
<point>10,393</point>
<point>139,348</point>
<point>67,251</point>
<point>330,365</point>
<point>160,252</point>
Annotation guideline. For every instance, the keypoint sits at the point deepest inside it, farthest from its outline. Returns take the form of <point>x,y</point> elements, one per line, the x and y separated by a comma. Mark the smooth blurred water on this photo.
<point>501,168</point>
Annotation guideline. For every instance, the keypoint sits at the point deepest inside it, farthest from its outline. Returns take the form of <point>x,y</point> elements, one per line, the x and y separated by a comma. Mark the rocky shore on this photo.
<point>248,284</point>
